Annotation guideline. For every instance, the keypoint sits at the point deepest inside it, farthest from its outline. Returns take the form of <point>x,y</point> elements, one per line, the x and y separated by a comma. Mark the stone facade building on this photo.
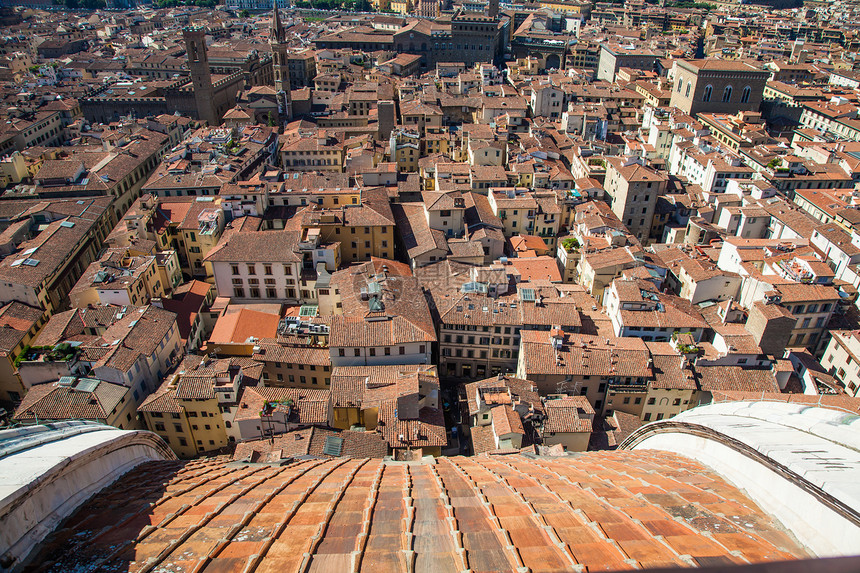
<point>717,86</point>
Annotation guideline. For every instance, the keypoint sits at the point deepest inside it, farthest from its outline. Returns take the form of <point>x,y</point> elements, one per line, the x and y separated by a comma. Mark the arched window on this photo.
<point>707,95</point>
<point>680,84</point>
<point>727,94</point>
<point>745,95</point>
<point>689,87</point>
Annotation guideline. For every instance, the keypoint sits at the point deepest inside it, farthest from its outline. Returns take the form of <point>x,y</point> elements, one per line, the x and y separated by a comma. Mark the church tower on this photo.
<point>281,65</point>
<point>201,77</point>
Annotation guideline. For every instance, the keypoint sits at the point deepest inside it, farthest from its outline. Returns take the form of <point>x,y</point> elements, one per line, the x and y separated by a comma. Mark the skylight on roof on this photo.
<point>333,446</point>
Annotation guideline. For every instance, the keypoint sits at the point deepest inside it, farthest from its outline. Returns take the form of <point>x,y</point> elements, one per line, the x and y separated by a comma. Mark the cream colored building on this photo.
<point>193,410</point>
<point>633,189</point>
<point>582,365</point>
<point>310,151</point>
<point>568,422</point>
<point>842,359</point>
<point>119,278</point>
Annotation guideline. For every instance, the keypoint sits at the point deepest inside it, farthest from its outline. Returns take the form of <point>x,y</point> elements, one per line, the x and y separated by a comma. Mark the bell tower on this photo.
<point>281,65</point>
<point>201,77</point>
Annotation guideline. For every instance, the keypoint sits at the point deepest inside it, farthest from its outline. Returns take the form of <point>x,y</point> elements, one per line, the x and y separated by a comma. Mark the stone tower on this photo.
<point>386,121</point>
<point>281,65</point>
<point>201,77</point>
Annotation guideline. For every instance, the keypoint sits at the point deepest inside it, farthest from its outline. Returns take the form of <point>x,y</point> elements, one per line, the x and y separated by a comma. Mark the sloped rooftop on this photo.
<point>600,510</point>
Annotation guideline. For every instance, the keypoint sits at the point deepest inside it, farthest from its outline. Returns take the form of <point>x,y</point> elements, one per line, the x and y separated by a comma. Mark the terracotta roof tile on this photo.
<point>584,355</point>
<point>568,414</point>
<point>309,406</point>
<point>84,399</point>
<point>542,514</point>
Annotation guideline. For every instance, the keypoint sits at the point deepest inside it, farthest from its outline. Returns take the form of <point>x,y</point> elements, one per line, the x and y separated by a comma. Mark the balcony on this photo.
<point>627,387</point>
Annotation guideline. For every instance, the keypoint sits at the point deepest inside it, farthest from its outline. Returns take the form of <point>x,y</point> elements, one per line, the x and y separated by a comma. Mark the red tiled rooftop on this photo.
<point>238,327</point>
<point>600,510</point>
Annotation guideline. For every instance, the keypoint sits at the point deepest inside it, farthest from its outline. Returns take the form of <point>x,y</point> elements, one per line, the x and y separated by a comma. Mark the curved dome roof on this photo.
<point>46,472</point>
<point>599,510</point>
<point>718,485</point>
<point>800,462</point>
